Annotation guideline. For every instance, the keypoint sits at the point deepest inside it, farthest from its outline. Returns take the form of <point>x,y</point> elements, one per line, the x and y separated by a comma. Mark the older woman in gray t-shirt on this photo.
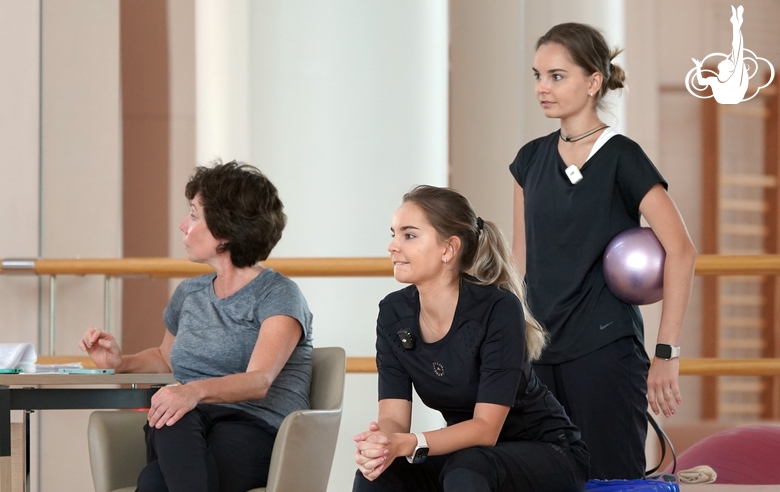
<point>239,340</point>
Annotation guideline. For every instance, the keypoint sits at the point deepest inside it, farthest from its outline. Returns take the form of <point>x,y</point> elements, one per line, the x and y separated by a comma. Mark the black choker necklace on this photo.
<point>569,138</point>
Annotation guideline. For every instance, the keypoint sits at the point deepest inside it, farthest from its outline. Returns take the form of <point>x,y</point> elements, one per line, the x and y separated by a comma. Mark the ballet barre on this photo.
<point>689,366</point>
<point>706,265</point>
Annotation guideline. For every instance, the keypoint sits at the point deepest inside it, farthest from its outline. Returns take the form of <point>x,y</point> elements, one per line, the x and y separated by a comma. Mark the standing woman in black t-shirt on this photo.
<point>576,189</point>
<point>464,342</point>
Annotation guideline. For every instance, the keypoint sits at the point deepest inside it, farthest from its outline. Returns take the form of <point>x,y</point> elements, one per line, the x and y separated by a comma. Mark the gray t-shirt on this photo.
<point>215,337</point>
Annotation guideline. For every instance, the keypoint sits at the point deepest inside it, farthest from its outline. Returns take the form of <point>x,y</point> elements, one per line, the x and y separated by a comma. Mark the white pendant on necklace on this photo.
<point>574,174</point>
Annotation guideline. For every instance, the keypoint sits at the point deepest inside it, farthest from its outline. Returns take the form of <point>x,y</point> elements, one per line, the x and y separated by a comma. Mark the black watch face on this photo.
<point>663,351</point>
<point>419,455</point>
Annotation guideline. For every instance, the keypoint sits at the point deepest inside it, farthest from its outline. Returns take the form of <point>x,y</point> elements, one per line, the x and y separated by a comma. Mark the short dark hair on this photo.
<point>241,207</point>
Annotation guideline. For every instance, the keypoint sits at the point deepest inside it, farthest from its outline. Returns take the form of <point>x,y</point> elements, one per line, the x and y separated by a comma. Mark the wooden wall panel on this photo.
<point>145,154</point>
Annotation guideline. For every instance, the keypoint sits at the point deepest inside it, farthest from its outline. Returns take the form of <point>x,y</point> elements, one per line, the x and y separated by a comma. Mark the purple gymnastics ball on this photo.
<point>634,266</point>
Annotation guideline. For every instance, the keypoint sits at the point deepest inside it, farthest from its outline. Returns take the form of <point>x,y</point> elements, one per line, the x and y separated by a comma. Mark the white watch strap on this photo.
<point>675,352</point>
<point>421,442</point>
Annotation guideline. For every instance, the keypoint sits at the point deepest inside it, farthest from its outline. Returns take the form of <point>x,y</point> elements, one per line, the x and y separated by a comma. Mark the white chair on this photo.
<point>117,451</point>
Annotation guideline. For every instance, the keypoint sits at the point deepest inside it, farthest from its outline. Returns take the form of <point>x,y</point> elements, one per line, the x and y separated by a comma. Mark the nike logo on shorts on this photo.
<point>604,326</point>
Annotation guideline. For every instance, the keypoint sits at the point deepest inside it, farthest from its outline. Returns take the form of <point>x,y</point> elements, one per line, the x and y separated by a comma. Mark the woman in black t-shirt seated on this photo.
<point>465,341</point>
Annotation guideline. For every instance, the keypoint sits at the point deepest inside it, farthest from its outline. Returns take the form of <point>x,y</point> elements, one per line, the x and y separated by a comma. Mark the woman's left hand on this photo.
<point>661,213</point>
<point>171,403</point>
<point>663,393</point>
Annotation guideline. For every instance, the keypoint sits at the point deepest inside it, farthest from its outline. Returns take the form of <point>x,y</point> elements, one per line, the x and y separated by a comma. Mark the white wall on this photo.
<point>19,166</point>
<point>82,195</point>
<point>60,139</point>
<point>181,41</point>
<point>486,103</point>
<point>343,104</point>
<point>81,151</point>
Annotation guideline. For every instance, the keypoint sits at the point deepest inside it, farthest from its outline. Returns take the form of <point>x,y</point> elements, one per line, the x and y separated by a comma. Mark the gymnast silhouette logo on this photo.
<point>735,70</point>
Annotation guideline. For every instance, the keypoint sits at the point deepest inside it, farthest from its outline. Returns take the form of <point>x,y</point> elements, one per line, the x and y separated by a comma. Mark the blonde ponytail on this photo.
<point>495,265</point>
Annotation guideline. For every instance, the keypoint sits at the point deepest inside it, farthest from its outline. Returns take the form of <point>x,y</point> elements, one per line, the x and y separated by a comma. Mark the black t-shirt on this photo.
<point>481,359</point>
<point>567,229</point>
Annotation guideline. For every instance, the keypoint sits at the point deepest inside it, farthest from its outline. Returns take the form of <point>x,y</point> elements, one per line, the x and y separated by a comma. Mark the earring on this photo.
<point>590,94</point>
<point>444,259</point>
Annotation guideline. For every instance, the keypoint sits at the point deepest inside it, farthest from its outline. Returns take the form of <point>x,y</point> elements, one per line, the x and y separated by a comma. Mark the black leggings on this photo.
<point>507,467</point>
<point>605,395</point>
<point>212,448</point>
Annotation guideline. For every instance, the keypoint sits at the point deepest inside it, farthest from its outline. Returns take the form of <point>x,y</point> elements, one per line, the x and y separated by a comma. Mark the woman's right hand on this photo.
<point>102,348</point>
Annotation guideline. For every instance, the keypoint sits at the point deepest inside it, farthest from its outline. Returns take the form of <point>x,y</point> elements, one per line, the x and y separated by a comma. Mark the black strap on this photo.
<point>663,439</point>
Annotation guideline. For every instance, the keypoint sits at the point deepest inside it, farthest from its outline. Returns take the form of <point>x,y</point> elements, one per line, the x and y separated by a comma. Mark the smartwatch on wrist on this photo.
<point>666,351</point>
<point>420,451</point>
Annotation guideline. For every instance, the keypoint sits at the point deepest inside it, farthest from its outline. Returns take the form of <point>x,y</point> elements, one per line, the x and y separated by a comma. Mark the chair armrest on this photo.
<point>117,448</point>
<point>306,438</point>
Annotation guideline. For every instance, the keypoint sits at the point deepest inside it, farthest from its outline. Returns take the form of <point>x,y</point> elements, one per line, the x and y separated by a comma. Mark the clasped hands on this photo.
<point>375,451</point>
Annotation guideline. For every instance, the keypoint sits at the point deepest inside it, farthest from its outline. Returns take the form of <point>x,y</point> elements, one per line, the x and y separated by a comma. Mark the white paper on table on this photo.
<point>16,355</point>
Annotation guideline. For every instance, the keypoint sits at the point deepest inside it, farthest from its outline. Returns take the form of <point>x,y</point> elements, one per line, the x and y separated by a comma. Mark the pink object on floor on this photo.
<point>743,455</point>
